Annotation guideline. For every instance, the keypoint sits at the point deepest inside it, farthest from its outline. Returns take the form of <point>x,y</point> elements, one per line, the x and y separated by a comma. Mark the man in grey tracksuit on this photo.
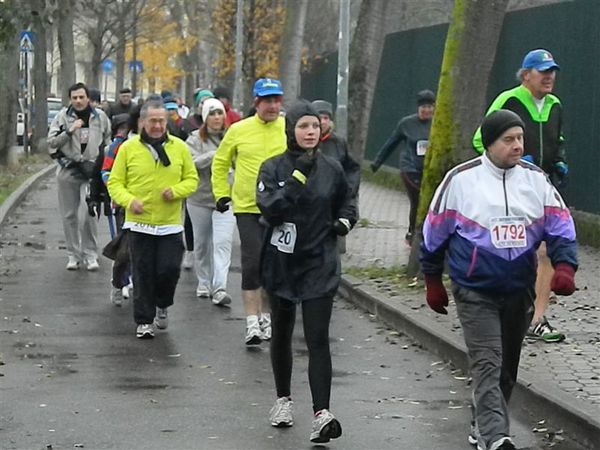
<point>77,135</point>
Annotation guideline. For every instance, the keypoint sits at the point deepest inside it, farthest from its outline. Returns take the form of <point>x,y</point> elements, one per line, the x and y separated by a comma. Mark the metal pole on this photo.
<point>105,83</point>
<point>26,104</point>
<point>341,112</point>
<point>238,95</point>
<point>134,55</point>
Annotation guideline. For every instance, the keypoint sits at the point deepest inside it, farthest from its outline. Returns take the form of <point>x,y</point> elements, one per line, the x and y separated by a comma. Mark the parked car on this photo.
<point>54,106</point>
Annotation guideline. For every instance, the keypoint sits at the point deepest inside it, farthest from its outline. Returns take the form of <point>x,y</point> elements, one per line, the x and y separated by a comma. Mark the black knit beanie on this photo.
<point>497,123</point>
<point>425,97</point>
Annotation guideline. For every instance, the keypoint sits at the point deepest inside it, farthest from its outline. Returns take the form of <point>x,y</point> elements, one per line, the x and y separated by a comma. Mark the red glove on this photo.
<point>563,280</point>
<point>437,297</point>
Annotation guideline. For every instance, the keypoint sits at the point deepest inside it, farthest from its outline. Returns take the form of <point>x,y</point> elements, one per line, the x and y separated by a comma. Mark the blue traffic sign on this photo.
<point>136,66</point>
<point>107,65</point>
<point>26,41</point>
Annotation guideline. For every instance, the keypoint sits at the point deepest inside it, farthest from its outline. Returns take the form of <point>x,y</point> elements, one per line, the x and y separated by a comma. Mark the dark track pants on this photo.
<point>155,266</point>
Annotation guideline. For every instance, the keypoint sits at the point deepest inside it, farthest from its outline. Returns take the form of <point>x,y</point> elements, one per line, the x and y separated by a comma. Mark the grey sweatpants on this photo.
<point>494,326</point>
<point>81,230</point>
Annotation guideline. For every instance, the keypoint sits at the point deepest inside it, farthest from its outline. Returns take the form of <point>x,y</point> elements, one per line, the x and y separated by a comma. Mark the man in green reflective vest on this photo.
<point>541,112</point>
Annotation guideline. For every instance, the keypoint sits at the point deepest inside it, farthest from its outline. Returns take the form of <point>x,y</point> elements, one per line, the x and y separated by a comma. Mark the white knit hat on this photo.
<point>210,105</point>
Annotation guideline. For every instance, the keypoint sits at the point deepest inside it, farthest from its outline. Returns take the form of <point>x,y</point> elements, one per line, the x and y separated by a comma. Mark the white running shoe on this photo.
<point>116,296</point>
<point>281,413</point>
<point>125,292</point>
<point>202,292</point>
<point>145,331</point>
<point>265,327</point>
<point>73,263</point>
<point>325,427</point>
<point>161,320</point>
<point>252,331</point>
<point>91,264</point>
<point>221,298</point>
<point>188,260</point>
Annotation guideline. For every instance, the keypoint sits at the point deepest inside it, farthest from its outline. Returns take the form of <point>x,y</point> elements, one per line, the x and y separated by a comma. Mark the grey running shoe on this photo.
<point>145,331</point>
<point>73,263</point>
<point>91,264</point>
<point>202,292</point>
<point>162,318</point>
<point>325,427</point>
<point>281,413</point>
<point>473,434</point>
<point>221,298</point>
<point>253,334</point>
<point>116,296</point>
<point>188,260</point>
<point>265,327</point>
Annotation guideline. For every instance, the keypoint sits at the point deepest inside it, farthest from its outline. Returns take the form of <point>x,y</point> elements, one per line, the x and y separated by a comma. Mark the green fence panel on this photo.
<point>411,61</point>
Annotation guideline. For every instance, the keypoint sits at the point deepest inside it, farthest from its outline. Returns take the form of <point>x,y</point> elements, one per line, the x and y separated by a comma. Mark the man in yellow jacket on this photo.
<point>152,174</point>
<point>245,146</point>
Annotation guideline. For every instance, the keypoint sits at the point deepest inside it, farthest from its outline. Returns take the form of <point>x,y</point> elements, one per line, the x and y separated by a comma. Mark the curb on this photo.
<point>532,399</point>
<point>14,199</point>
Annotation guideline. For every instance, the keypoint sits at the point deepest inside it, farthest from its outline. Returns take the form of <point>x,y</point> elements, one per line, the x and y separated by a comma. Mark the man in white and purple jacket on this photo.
<point>489,215</point>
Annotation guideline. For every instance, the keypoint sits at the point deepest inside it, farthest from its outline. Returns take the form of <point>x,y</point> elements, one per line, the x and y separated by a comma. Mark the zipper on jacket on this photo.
<point>541,145</point>
<point>506,205</point>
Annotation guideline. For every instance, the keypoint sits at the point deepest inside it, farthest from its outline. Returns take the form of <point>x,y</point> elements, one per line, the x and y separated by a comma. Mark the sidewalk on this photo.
<point>563,377</point>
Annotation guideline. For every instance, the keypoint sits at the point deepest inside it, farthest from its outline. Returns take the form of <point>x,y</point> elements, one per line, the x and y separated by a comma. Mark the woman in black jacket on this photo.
<point>306,201</point>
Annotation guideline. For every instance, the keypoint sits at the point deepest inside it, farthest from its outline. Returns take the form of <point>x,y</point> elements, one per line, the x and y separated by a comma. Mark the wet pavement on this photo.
<point>74,375</point>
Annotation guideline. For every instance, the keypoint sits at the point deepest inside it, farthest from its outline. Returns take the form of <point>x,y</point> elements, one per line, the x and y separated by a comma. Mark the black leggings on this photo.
<point>188,231</point>
<point>412,181</point>
<point>316,315</point>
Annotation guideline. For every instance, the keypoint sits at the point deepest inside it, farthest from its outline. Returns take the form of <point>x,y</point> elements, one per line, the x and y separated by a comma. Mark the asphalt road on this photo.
<point>75,376</point>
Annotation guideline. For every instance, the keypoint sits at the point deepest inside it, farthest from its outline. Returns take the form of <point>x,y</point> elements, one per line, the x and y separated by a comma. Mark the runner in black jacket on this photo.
<point>305,198</point>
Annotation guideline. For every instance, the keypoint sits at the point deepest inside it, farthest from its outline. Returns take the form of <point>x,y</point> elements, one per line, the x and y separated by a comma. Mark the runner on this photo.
<point>306,200</point>
<point>491,239</point>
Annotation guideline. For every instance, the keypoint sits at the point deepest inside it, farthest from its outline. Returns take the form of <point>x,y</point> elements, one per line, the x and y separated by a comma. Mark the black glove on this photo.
<point>341,226</point>
<point>304,164</point>
<point>222,205</point>
<point>374,167</point>
<point>93,208</point>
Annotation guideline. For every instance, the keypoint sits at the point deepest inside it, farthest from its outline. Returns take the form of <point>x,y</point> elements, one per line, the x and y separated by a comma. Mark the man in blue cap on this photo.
<point>250,142</point>
<point>542,114</point>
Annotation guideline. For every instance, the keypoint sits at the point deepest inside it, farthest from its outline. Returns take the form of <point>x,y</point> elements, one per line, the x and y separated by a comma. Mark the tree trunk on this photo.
<point>66,48</point>
<point>291,52</point>
<point>40,81</point>
<point>9,57</point>
<point>120,57</point>
<point>468,58</point>
<point>365,55</point>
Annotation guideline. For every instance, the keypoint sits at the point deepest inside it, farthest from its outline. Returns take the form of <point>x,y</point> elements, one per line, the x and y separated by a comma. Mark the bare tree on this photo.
<point>41,12</point>
<point>291,50</point>
<point>66,48</point>
<point>471,43</point>
<point>9,55</point>
<point>365,55</point>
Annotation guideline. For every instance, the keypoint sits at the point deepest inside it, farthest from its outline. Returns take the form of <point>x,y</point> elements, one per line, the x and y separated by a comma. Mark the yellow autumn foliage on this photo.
<point>158,47</point>
<point>264,22</point>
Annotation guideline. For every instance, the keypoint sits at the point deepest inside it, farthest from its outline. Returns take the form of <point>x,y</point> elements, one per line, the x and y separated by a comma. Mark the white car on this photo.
<point>54,106</point>
<point>20,122</point>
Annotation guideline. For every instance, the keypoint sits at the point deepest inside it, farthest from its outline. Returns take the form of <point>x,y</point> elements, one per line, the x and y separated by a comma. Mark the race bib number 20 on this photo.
<point>508,232</point>
<point>284,237</point>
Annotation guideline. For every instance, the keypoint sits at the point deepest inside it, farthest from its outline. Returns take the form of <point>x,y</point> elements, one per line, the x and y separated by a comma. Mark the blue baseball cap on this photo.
<point>267,86</point>
<point>539,59</point>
